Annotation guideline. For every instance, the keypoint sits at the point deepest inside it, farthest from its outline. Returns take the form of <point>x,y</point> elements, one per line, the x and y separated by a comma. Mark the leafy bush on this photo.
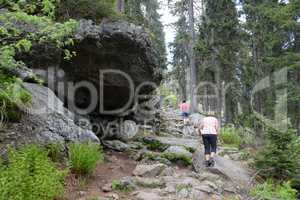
<point>230,136</point>
<point>16,41</point>
<point>12,94</point>
<point>30,175</point>
<point>171,100</point>
<point>269,190</point>
<point>280,158</point>
<point>84,157</point>
<point>87,9</point>
<point>45,7</point>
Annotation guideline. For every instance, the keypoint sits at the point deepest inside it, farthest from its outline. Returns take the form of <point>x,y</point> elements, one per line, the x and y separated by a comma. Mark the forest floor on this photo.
<point>115,166</point>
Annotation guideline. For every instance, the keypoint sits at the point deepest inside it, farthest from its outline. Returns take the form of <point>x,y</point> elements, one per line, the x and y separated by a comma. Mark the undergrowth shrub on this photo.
<point>171,100</point>
<point>280,158</point>
<point>12,94</point>
<point>55,151</point>
<point>30,175</point>
<point>230,136</point>
<point>270,190</point>
<point>84,157</point>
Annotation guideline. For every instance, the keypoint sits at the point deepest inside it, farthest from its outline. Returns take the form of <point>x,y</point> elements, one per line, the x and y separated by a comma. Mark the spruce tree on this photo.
<point>280,158</point>
<point>218,44</point>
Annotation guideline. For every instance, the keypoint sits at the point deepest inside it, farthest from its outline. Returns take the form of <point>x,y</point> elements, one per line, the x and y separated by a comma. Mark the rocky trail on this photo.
<point>164,166</point>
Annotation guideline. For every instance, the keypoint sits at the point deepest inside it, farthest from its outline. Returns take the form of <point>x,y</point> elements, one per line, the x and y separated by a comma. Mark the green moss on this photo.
<point>156,146</point>
<point>190,149</point>
<point>117,185</point>
<point>151,156</point>
<point>156,157</point>
<point>180,187</point>
<point>187,161</point>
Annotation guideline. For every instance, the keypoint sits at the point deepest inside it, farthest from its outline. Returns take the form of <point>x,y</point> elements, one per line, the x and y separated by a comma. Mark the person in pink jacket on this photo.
<point>209,128</point>
<point>185,111</point>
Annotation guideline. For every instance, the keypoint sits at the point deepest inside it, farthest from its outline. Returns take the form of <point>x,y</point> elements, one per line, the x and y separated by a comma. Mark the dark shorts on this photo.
<point>210,143</point>
<point>185,114</point>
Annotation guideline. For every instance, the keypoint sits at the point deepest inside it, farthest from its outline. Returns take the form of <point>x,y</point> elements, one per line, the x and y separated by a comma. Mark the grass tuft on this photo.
<point>84,157</point>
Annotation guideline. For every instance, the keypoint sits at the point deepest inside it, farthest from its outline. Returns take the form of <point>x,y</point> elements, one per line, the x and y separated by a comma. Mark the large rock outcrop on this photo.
<point>44,122</point>
<point>121,51</point>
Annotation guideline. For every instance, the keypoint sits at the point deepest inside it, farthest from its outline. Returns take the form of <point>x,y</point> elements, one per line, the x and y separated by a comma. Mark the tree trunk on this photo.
<point>121,6</point>
<point>193,71</point>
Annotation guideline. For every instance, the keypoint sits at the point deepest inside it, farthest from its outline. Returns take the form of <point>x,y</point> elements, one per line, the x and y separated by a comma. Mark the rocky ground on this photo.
<point>164,166</point>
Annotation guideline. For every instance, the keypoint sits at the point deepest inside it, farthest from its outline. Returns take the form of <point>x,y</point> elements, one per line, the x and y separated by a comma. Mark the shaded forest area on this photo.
<point>237,45</point>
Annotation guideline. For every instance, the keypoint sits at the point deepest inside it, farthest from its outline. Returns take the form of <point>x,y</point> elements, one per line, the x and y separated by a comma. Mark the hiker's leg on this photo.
<point>212,147</point>
<point>206,147</point>
<point>184,118</point>
<point>213,142</point>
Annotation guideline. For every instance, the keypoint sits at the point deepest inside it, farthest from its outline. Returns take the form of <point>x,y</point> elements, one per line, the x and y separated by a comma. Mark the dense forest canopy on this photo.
<point>239,43</point>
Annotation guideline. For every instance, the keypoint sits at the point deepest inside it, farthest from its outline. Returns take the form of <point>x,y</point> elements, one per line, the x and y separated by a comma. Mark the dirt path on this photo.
<point>115,166</point>
<point>159,175</point>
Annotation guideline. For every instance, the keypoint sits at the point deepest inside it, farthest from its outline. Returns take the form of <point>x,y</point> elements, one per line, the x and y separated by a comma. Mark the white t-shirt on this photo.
<point>209,125</point>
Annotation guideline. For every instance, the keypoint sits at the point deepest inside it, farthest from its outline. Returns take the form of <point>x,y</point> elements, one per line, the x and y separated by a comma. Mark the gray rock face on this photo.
<point>225,168</point>
<point>47,121</point>
<point>119,52</point>
<point>128,131</point>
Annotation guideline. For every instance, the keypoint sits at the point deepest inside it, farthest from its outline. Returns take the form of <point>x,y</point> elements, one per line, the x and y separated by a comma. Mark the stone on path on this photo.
<point>147,182</point>
<point>116,145</point>
<point>107,188</point>
<point>147,196</point>
<point>149,170</point>
<point>189,143</point>
<point>226,168</point>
